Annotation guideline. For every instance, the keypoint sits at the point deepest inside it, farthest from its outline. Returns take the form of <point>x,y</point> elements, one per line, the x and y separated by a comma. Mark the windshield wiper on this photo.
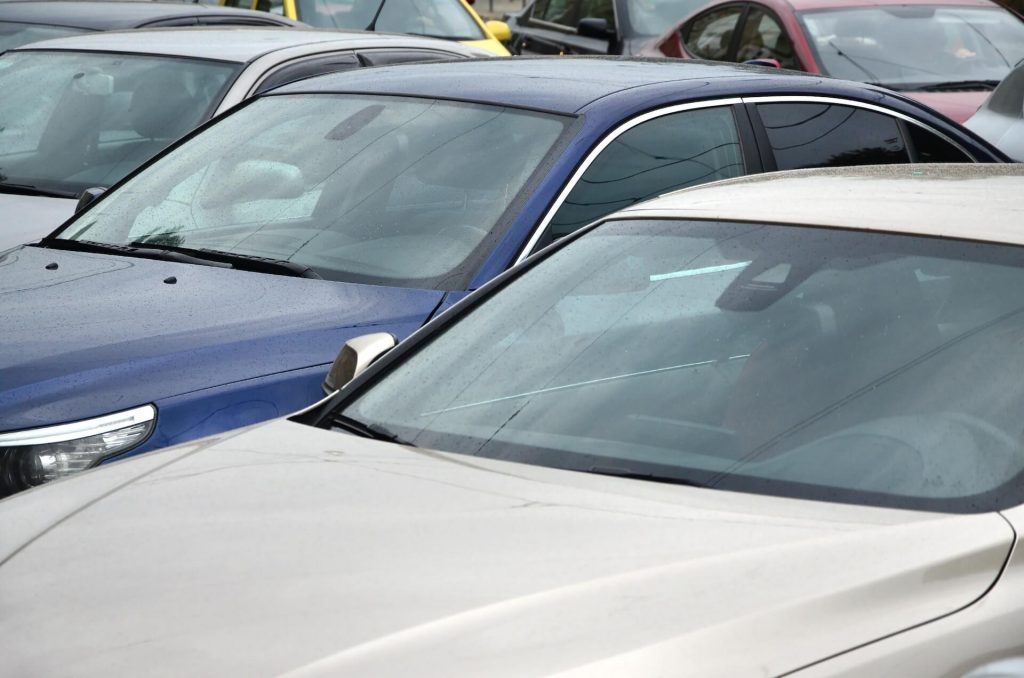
<point>245,262</point>
<point>372,431</point>
<point>141,251</point>
<point>857,64</point>
<point>953,85</point>
<point>28,189</point>
<point>642,475</point>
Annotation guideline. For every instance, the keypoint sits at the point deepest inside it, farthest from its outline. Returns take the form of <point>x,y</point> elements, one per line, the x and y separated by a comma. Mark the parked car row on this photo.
<point>350,353</point>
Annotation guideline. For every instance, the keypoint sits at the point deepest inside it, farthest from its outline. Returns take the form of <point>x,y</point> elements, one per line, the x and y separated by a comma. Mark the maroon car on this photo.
<point>948,54</point>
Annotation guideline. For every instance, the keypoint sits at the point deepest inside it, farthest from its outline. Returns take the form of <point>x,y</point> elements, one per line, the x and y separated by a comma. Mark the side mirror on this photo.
<point>88,197</point>
<point>595,28</point>
<point>355,356</point>
<point>500,30</point>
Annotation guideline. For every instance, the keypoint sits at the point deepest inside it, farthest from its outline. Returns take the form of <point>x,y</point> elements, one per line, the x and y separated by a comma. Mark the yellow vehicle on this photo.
<point>448,19</point>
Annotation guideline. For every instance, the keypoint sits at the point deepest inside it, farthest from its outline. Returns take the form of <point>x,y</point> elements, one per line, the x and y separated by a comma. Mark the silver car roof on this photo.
<point>240,44</point>
<point>976,202</point>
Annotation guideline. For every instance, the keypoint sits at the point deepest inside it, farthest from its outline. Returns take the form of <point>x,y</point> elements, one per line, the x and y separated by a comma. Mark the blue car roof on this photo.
<point>556,84</point>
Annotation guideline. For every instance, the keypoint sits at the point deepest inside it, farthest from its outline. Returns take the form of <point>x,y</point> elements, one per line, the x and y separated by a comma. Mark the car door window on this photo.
<point>929,147</point>
<point>562,12</point>
<point>764,38</point>
<point>661,155</point>
<point>710,35</point>
<point>830,135</point>
<point>271,6</point>
<point>331,63</point>
<point>598,9</point>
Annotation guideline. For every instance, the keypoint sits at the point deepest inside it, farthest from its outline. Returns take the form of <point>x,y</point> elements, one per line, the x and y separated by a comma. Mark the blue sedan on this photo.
<point>212,288</point>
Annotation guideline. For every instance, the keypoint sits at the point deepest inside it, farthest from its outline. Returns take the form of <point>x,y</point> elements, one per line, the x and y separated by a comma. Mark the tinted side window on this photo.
<point>661,155</point>
<point>930,147</point>
<point>830,135</point>
<point>711,34</point>
<point>763,38</point>
<point>598,9</point>
<point>562,12</point>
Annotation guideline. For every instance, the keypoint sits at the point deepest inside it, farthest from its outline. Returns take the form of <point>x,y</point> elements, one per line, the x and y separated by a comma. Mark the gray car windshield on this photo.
<point>70,121</point>
<point>822,364</point>
<point>436,18</point>
<point>917,46</point>
<point>384,190</point>
<point>13,34</point>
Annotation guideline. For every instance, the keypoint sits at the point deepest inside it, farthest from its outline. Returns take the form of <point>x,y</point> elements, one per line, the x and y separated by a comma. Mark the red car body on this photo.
<point>957,105</point>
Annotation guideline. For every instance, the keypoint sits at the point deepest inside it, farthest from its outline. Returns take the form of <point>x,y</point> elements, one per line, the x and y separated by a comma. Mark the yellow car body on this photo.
<point>495,32</point>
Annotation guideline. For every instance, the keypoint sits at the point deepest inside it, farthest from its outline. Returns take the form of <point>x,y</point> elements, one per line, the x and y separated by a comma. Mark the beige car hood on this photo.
<point>286,548</point>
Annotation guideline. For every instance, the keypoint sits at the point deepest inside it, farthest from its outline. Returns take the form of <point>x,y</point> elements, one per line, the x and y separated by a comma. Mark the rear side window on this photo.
<point>655,157</point>
<point>710,35</point>
<point>929,147</point>
<point>828,135</point>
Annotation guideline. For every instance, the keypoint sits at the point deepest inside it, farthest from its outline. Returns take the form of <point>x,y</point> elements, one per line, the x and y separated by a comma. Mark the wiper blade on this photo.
<point>28,189</point>
<point>245,262</point>
<point>133,250</point>
<point>372,431</point>
<point>957,84</point>
<point>643,475</point>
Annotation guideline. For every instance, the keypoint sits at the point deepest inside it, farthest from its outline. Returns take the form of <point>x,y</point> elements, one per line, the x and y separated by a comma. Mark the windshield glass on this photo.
<point>648,18</point>
<point>435,18</point>
<point>384,190</point>
<point>71,121</point>
<point>823,364</point>
<point>914,46</point>
<point>15,35</point>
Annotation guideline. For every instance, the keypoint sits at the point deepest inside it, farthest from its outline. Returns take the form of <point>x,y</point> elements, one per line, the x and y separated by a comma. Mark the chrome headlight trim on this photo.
<point>78,429</point>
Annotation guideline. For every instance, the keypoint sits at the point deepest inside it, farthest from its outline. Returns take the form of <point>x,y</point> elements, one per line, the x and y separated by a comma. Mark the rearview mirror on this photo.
<point>500,30</point>
<point>355,356</point>
<point>595,28</point>
<point>88,197</point>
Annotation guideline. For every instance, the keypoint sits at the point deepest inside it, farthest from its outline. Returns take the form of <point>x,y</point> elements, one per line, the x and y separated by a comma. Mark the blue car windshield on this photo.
<point>383,190</point>
<point>823,364</point>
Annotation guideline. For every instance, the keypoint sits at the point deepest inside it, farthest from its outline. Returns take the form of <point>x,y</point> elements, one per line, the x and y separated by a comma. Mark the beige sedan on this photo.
<point>764,427</point>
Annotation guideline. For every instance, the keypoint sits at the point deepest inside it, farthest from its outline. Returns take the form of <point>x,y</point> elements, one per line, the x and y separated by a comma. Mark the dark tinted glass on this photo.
<point>827,135</point>
<point>664,154</point>
<point>929,147</point>
<point>328,64</point>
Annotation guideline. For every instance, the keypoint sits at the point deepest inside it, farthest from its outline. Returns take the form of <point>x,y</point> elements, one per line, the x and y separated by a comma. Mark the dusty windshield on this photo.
<point>823,364</point>
<point>14,34</point>
<point>70,121</point>
<point>385,190</point>
<point>436,18</point>
<point>916,46</point>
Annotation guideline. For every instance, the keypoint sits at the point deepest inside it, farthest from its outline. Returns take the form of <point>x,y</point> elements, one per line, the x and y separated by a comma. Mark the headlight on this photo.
<point>36,456</point>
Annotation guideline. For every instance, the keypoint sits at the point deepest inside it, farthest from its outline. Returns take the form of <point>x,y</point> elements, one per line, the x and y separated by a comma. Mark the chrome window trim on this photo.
<point>538,231</point>
<point>599,148</point>
<point>79,429</point>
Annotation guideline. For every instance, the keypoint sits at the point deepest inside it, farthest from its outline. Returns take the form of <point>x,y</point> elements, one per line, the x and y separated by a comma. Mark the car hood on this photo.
<point>102,333</point>
<point>957,106</point>
<point>284,548</point>
<point>25,218</point>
